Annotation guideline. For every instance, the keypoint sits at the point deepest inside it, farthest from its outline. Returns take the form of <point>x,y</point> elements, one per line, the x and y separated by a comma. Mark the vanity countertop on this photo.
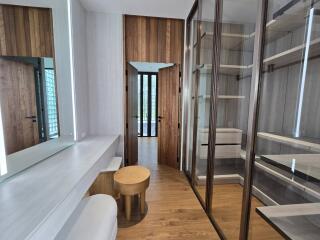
<point>36,203</point>
<point>296,221</point>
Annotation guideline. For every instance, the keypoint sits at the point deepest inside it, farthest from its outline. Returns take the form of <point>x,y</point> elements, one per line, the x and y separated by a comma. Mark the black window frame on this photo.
<point>149,104</point>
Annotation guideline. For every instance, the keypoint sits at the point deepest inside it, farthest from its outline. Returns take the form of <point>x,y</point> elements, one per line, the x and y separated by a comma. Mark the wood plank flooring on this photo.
<point>173,210</point>
<point>226,209</point>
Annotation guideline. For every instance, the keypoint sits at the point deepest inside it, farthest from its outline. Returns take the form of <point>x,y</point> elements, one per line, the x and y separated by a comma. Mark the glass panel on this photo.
<point>153,105</point>
<point>145,105</point>
<point>236,59</point>
<point>203,78</point>
<point>287,167</point>
<point>191,55</point>
<point>139,102</point>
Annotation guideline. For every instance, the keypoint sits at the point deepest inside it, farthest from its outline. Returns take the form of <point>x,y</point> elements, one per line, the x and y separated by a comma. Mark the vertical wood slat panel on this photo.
<point>151,39</point>
<point>20,31</point>
<point>3,47</point>
<point>25,31</point>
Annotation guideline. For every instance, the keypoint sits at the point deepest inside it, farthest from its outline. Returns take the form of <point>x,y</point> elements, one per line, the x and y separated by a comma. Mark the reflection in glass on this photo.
<point>28,101</point>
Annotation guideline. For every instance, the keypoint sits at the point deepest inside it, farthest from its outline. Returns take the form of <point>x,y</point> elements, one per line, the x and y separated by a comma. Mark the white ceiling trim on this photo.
<point>155,8</point>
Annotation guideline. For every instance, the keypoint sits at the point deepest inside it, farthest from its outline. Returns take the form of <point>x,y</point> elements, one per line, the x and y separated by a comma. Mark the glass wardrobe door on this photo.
<point>287,165</point>
<point>235,72</point>
<point>202,95</point>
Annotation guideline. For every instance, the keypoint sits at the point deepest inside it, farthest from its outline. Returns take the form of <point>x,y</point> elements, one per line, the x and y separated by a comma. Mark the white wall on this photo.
<point>79,40</point>
<point>105,74</point>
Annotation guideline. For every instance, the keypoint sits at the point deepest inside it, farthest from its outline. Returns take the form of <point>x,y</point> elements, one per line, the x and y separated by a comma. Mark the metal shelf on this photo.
<point>233,70</point>
<point>293,55</point>
<point>207,97</point>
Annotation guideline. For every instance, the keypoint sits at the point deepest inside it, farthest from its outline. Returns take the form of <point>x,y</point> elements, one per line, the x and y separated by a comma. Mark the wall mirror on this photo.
<point>36,83</point>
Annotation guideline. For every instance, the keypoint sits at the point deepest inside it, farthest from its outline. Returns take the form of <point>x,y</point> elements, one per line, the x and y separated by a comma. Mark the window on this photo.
<point>51,102</point>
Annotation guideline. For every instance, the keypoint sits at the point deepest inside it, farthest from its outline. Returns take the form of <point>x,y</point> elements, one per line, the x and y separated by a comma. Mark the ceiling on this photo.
<point>155,8</point>
<point>149,67</point>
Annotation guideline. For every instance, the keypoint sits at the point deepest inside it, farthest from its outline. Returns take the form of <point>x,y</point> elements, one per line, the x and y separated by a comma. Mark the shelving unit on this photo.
<point>276,29</point>
<point>287,99</point>
<point>237,48</point>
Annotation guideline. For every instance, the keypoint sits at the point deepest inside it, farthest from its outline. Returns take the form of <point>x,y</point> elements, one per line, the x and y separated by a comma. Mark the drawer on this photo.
<point>222,137</point>
<point>222,151</point>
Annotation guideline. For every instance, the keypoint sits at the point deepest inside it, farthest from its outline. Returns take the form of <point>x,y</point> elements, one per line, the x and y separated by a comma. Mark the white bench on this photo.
<point>94,219</point>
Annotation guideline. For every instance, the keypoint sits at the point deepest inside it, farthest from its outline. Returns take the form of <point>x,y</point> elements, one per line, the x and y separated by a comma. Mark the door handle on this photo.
<point>159,118</point>
<point>31,117</point>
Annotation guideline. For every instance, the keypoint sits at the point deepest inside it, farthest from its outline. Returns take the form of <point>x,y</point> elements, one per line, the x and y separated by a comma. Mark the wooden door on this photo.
<point>168,115</point>
<point>132,115</point>
<point>18,105</point>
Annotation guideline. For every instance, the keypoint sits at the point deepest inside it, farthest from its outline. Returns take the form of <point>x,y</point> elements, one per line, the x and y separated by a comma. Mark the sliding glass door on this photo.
<point>147,104</point>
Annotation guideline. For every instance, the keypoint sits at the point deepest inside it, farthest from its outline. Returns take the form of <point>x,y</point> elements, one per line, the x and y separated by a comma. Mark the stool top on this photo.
<point>132,175</point>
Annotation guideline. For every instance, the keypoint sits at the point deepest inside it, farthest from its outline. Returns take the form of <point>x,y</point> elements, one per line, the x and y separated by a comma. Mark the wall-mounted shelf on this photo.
<point>293,55</point>
<point>231,41</point>
<point>207,97</point>
<point>234,70</point>
<point>295,142</point>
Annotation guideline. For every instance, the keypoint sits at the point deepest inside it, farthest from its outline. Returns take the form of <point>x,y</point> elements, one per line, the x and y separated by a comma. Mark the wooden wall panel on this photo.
<point>26,31</point>
<point>150,39</point>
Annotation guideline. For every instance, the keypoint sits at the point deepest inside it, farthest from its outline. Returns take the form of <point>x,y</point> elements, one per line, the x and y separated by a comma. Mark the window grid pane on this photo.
<point>153,104</point>
<point>51,103</point>
<point>145,105</point>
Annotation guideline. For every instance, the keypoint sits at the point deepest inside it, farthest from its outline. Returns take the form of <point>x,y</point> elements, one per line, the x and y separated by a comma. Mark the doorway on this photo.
<point>153,113</point>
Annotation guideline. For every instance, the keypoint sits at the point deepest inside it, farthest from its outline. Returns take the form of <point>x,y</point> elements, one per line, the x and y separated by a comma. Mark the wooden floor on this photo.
<point>226,209</point>
<point>173,210</point>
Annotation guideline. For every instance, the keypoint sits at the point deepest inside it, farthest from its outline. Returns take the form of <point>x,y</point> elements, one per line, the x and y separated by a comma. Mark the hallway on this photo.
<point>173,210</point>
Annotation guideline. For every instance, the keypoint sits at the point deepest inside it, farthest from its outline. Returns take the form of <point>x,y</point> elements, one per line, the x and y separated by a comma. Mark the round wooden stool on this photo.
<point>130,181</point>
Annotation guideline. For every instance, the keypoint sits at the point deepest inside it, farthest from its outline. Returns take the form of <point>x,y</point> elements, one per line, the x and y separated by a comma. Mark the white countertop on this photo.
<point>36,203</point>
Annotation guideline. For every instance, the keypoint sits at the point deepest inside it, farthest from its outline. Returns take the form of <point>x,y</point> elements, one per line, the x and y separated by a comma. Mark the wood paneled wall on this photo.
<point>150,39</point>
<point>26,31</point>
